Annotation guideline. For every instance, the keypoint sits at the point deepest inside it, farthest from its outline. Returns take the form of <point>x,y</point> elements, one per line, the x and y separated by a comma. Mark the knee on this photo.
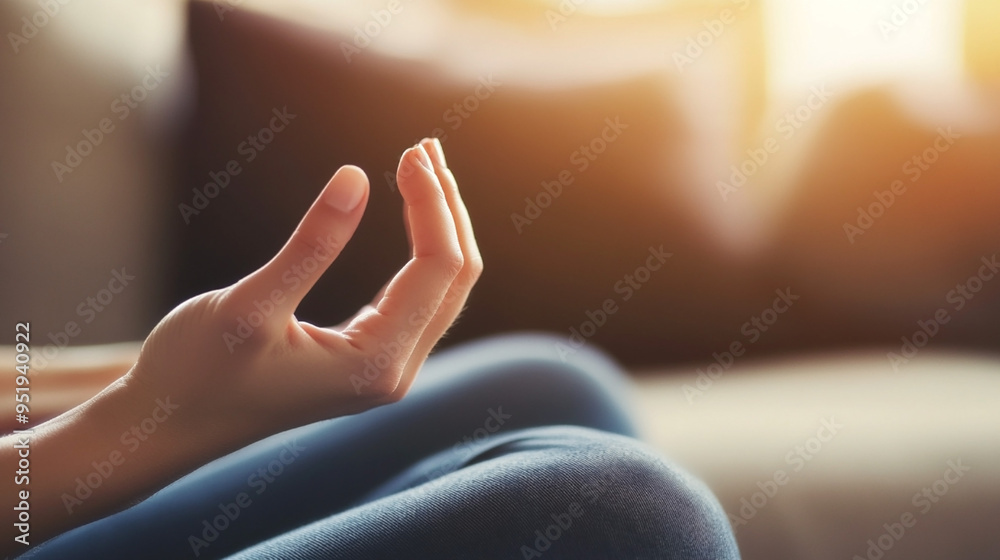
<point>582,387</point>
<point>547,359</point>
<point>554,349</point>
<point>637,503</point>
<point>667,506</point>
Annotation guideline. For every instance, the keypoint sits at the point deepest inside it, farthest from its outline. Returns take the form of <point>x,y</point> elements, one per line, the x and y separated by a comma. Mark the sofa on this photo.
<point>816,338</point>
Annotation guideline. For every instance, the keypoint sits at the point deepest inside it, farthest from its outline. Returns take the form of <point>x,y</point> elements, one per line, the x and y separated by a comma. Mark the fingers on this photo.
<point>414,296</point>
<point>406,225</point>
<point>466,236</point>
<point>458,292</point>
<point>324,230</point>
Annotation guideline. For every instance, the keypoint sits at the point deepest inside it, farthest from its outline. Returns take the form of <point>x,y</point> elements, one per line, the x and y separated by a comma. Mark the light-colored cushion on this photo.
<point>897,433</point>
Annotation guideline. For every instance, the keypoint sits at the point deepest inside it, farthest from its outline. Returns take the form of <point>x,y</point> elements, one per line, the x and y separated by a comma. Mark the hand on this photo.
<point>238,359</point>
<point>238,362</point>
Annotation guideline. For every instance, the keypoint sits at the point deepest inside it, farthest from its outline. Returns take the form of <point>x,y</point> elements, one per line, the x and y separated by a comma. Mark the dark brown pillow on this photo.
<point>575,267</point>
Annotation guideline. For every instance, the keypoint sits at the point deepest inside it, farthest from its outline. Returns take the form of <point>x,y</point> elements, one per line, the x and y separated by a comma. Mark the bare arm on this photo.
<point>117,448</point>
<point>229,367</point>
<point>72,377</point>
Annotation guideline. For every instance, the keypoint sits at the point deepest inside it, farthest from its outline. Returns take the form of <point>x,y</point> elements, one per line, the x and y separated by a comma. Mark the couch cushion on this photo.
<point>852,445</point>
<point>545,267</point>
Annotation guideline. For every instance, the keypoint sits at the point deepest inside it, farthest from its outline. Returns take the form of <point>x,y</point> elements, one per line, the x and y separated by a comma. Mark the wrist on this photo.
<point>116,449</point>
<point>183,427</point>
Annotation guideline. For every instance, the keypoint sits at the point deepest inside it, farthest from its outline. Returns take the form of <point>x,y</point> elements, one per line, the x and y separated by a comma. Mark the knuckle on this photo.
<point>382,388</point>
<point>440,197</point>
<point>474,266</point>
<point>240,322</point>
<point>453,264</point>
<point>302,244</point>
<point>394,397</point>
<point>386,383</point>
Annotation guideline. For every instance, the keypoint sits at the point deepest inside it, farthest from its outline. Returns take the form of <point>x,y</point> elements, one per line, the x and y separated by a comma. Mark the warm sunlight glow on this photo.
<point>848,43</point>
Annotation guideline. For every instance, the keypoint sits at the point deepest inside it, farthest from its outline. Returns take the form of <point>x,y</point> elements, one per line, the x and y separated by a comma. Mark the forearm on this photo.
<point>102,456</point>
<point>233,365</point>
<point>68,379</point>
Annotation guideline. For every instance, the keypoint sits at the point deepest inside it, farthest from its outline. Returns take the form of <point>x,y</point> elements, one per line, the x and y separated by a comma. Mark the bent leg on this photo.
<point>462,396</point>
<point>554,492</point>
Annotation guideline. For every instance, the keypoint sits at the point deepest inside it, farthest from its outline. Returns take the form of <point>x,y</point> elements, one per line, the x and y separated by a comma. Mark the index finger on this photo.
<point>416,292</point>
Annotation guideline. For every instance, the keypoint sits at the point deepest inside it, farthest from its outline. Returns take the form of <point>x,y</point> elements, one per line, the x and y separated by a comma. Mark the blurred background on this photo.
<point>774,213</point>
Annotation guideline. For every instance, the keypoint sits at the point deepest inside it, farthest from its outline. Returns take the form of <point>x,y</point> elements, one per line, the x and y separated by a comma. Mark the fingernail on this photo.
<point>345,194</point>
<point>439,149</point>
<point>423,158</point>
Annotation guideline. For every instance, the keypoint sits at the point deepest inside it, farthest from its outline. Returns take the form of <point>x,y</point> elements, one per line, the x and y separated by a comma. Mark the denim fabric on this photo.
<point>508,447</point>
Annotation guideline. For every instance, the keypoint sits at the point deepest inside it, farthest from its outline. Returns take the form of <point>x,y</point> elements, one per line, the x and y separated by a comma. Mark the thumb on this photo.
<point>327,226</point>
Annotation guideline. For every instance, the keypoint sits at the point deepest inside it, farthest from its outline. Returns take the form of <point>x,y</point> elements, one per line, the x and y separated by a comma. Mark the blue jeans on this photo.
<point>502,449</point>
